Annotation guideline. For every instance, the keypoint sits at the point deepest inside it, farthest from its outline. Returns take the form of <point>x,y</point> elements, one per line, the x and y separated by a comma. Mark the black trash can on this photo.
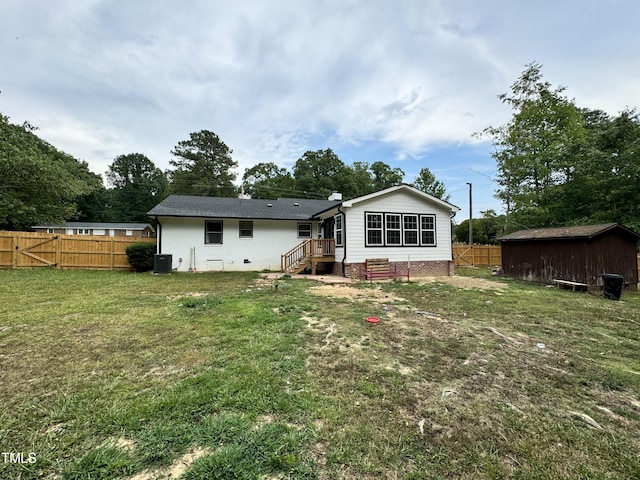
<point>162,263</point>
<point>612,285</point>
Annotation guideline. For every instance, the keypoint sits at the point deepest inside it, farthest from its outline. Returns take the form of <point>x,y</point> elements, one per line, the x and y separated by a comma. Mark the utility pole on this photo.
<point>470,216</point>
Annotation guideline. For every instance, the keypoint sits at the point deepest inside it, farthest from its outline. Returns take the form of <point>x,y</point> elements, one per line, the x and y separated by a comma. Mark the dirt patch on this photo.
<point>468,283</point>
<point>354,293</point>
<point>176,469</point>
<point>122,443</point>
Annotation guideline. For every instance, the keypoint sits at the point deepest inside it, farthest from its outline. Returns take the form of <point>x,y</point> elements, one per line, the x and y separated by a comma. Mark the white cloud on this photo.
<point>273,79</point>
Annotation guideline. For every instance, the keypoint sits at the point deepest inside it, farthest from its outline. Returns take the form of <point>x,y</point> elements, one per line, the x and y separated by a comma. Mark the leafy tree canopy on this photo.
<point>267,180</point>
<point>321,172</point>
<point>384,176</point>
<point>428,183</point>
<point>38,183</point>
<point>203,166</point>
<point>138,185</point>
<point>533,150</point>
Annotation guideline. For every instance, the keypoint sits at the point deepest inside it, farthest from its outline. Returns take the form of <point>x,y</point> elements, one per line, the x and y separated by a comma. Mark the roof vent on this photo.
<point>296,204</point>
<point>269,204</point>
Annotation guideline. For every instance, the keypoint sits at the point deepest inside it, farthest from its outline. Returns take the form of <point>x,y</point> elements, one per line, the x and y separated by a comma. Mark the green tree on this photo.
<point>318,173</point>
<point>267,180</point>
<point>486,229</point>
<point>38,183</point>
<point>203,166</point>
<point>362,179</point>
<point>384,176</point>
<point>428,183</point>
<point>138,186</point>
<point>96,206</point>
<point>533,149</point>
<point>602,185</point>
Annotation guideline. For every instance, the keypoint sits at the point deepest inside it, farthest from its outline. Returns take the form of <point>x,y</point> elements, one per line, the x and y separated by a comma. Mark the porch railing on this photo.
<point>307,251</point>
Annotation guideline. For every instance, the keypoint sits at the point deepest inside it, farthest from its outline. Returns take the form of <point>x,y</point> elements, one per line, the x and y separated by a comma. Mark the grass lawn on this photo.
<point>218,376</point>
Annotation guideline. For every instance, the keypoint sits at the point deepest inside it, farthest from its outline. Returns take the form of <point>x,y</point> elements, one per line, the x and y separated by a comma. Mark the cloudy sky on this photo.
<point>406,82</point>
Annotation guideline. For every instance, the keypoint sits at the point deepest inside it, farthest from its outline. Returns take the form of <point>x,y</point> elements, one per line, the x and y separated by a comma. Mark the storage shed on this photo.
<point>576,254</point>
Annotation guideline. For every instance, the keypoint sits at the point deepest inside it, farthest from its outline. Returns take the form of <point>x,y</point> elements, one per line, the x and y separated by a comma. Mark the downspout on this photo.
<point>158,236</point>
<point>344,238</point>
<point>453,260</point>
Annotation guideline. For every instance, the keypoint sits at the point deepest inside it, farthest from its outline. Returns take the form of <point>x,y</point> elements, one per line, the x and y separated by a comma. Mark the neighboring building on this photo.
<point>401,223</point>
<point>141,230</point>
<point>577,254</point>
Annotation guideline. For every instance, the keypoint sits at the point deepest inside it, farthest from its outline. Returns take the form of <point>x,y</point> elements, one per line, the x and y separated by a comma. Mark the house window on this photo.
<point>51,230</point>
<point>304,230</point>
<point>83,231</point>
<point>428,230</point>
<point>69,231</point>
<point>213,232</point>
<point>338,222</point>
<point>393,229</point>
<point>128,233</point>
<point>410,229</point>
<point>373,229</point>
<point>400,229</point>
<point>246,229</point>
<point>98,231</point>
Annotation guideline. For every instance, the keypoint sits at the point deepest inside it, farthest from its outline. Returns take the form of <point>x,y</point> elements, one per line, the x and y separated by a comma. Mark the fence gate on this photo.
<point>463,257</point>
<point>39,254</point>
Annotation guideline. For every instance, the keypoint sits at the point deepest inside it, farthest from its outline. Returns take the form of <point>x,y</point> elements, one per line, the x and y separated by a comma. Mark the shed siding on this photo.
<point>270,240</point>
<point>396,202</point>
<point>577,260</point>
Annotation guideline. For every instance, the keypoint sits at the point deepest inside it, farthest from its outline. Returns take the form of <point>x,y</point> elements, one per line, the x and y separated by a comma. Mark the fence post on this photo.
<point>111,256</point>
<point>15,248</point>
<point>58,251</point>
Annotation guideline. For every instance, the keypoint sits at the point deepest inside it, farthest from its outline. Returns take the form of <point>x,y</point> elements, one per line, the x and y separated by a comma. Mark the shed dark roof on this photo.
<point>586,231</point>
<point>220,207</point>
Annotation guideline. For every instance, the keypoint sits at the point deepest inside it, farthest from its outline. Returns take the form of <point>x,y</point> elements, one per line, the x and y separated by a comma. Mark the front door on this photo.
<point>328,228</point>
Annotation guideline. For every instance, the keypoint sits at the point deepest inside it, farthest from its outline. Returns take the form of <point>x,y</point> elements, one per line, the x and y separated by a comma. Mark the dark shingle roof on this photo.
<point>586,231</point>
<point>219,207</point>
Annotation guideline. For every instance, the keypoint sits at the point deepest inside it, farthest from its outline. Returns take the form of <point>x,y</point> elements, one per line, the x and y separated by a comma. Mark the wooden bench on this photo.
<point>379,268</point>
<point>568,283</point>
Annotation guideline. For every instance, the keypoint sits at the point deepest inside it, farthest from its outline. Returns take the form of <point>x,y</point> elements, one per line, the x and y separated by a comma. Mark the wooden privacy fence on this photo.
<point>477,255</point>
<point>33,250</point>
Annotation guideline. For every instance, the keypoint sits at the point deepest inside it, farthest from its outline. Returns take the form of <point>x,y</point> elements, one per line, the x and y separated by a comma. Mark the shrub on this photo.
<point>140,256</point>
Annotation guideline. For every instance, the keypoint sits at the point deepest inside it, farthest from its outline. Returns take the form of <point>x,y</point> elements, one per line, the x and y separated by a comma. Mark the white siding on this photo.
<point>271,239</point>
<point>396,202</point>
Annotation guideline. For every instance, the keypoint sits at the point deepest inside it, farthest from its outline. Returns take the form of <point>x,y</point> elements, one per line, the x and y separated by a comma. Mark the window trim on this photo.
<point>406,230</point>
<point>383,216</point>
<point>310,224</point>
<point>339,229</point>
<point>247,227</point>
<point>207,231</point>
<point>368,229</point>
<point>423,230</point>
<point>394,217</point>
<point>83,231</point>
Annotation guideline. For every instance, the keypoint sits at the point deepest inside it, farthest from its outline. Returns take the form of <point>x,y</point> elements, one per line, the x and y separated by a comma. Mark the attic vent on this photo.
<point>296,204</point>
<point>269,204</point>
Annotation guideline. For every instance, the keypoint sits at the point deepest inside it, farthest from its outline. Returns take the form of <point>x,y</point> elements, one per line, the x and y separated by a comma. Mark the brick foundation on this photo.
<point>435,268</point>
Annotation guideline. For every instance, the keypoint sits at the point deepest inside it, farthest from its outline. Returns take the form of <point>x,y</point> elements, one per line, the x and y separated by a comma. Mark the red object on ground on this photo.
<point>373,319</point>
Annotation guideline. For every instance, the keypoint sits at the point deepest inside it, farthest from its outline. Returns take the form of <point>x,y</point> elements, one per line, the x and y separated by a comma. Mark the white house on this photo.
<point>402,224</point>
